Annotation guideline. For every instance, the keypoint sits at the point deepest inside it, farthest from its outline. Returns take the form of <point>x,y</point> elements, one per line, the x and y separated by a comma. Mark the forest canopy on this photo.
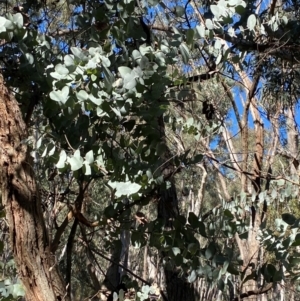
<point>149,150</point>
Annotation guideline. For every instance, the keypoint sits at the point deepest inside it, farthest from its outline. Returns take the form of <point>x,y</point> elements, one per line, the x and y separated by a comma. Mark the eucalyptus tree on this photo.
<point>96,90</point>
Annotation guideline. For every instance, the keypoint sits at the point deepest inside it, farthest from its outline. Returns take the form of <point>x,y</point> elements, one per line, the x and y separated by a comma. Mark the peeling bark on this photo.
<point>28,235</point>
<point>292,140</point>
<point>249,248</point>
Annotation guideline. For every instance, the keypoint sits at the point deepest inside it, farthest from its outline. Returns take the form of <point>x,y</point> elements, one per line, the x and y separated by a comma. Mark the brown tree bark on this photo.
<point>36,265</point>
<point>250,248</point>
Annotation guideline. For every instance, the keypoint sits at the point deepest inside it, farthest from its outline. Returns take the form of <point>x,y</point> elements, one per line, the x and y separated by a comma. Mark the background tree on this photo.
<point>152,141</point>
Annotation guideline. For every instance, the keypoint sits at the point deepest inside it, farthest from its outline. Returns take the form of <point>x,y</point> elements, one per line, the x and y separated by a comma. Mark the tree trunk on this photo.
<point>176,287</point>
<point>20,195</point>
<point>292,140</point>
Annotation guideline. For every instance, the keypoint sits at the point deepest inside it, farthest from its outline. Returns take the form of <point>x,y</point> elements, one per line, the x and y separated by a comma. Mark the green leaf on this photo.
<point>62,159</point>
<point>179,11</point>
<point>78,52</point>
<point>209,24</point>
<point>75,162</point>
<point>221,285</point>
<point>95,100</point>
<point>285,20</point>
<point>176,251</point>
<point>144,62</point>
<point>218,44</point>
<point>129,81</point>
<point>39,143</point>
<point>160,149</point>
<point>124,188</point>
<point>271,269</point>
<point>289,218</point>
<point>60,96</point>
<point>219,59</point>
<point>105,61</point>
<point>210,251</point>
<point>138,239</point>
<point>278,276</point>
<point>193,248</point>
<point>69,60</point>
<point>200,29</point>
<point>240,9</point>
<point>228,213</point>
<point>153,2</point>
<point>3,29</point>
<point>52,151</point>
<point>115,296</point>
<point>8,25</point>
<point>192,276</point>
<point>216,11</point>
<point>232,270</point>
<point>185,54</point>
<point>224,268</point>
<point>89,157</point>
<point>136,55</point>
<point>61,69</point>
<point>18,19</point>
<point>29,58</point>
<point>202,230</point>
<point>108,79</point>
<point>82,95</point>
<point>193,220</point>
<point>205,270</point>
<point>198,158</point>
<point>251,22</point>
<point>87,169</point>
<point>2,21</point>
<point>233,2</point>
<point>124,71</point>
<point>190,36</point>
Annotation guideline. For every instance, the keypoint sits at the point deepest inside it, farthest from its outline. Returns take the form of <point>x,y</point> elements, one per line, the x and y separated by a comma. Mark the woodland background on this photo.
<point>149,150</point>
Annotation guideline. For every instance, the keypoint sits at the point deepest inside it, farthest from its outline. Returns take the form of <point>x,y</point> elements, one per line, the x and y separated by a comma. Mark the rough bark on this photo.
<point>29,239</point>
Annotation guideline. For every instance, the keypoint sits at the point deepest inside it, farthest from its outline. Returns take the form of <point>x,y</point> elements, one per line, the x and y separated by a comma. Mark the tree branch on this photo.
<point>72,213</point>
<point>254,292</point>
<point>64,32</point>
<point>69,256</point>
<point>123,267</point>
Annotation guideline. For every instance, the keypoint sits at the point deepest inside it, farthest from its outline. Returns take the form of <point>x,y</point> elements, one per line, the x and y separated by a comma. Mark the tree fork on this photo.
<point>35,263</point>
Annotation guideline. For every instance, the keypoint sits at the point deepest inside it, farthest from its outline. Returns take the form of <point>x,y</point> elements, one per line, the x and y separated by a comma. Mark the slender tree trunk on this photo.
<point>20,195</point>
<point>292,140</point>
<point>250,248</point>
<point>176,287</point>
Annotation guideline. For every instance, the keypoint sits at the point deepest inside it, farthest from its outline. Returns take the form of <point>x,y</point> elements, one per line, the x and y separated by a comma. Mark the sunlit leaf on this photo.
<point>75,162</point>
<point>62,159</point>
<point>209,24</point>
<point>251,22</point>
<point>124,188</point>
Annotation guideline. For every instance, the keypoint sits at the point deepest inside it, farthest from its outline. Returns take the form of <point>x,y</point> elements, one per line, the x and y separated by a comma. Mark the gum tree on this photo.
<point>102,96</point>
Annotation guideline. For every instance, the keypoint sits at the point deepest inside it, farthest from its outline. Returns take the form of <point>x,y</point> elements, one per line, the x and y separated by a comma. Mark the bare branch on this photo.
<point>254,292</point>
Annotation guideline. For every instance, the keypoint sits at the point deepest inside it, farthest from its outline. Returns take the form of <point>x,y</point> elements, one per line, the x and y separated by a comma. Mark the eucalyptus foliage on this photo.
<point>100,100</point>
